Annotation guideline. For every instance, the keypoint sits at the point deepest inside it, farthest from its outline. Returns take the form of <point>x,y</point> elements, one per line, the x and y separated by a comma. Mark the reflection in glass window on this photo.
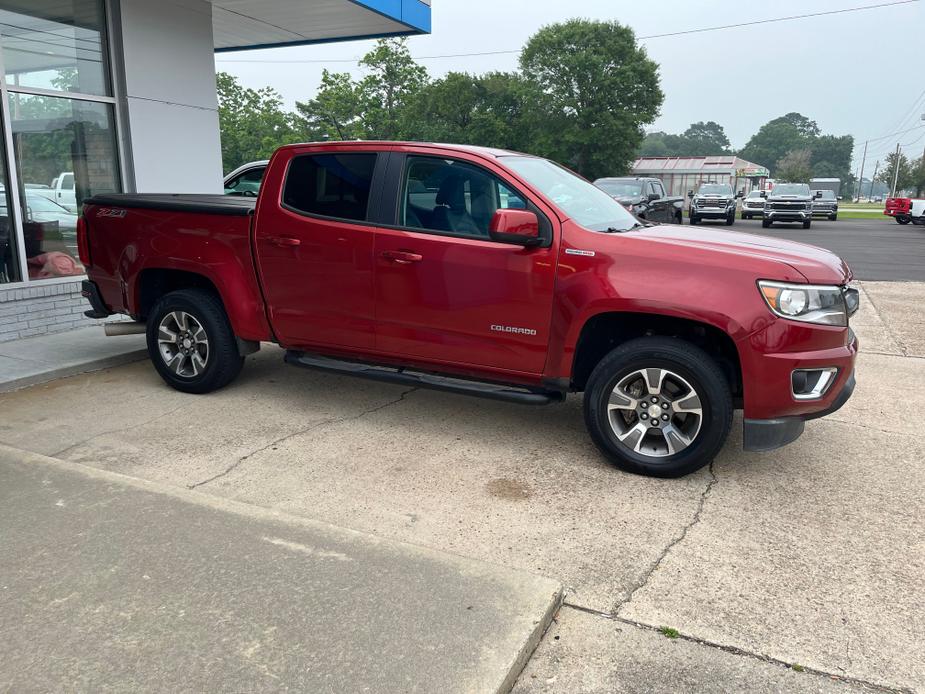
<point>9,253</point>
<point>55,44</point>
<point>330,185</point>
<point>65,152</point>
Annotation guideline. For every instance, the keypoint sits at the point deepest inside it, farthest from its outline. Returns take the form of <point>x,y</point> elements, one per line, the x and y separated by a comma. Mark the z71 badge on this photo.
<point>111,212</point>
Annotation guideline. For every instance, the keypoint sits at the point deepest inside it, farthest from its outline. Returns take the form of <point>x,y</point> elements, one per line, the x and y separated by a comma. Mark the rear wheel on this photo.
<point>902,220</point>
<point>658,406</point>
<point>191,343</point>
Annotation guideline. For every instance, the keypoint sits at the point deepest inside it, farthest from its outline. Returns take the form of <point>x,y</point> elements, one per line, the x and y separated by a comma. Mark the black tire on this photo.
<point>679,218</point>
<point>806,225</point>
<point>833,218</point>
<point>765,223</point>
<point>731,220</point>
<point>695,220</point>
<point>686,360</point>
<point>222,362</point>
<point>903,220</point>
<point>746,216</point>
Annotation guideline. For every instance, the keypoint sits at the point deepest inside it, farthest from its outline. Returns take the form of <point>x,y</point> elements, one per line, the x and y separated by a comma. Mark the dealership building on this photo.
<point>680,175</point>
<point>102,96</point>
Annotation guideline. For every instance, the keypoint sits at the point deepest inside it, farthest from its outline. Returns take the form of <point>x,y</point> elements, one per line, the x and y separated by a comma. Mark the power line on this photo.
<point>640,38</point>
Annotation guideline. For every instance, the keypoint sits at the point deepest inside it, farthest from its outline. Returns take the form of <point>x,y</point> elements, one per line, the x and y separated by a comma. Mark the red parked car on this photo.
<point>490,273</point>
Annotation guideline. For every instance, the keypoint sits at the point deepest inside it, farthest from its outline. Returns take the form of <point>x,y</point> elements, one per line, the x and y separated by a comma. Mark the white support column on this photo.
<point>165,77</point>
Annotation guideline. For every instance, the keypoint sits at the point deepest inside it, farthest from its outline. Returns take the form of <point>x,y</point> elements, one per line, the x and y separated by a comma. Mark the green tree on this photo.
<point>252,122</point>
<point>776,138</point>
<point>918,177</point>
<point>493,110</point>
<point>599,89</point>
<point>706,139</point>
<point>831,156</point>
<point>335,113</point>
<point>795,166</point>
<point>392,82</point>
<point>906,178</point>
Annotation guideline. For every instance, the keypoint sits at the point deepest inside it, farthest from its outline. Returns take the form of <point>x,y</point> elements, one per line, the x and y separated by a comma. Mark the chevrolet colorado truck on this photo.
<point>789,202</point>
<point>483,272</point>
<point>645,198</point>
<point>713,201</point>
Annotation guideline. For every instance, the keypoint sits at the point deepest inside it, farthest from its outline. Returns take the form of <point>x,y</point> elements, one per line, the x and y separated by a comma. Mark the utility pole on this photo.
<point>861,175</point>
<point>895,172</point>
<point>873,180</point>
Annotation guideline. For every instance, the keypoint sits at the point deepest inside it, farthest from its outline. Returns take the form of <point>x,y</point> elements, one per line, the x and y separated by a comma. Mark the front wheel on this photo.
<point>765,223</point>
<point>695,220</point>
<point>730,220</point>
<point>833,218</point>
<point>191,343</point>
<point>806,225</point>
<point>658,406</point>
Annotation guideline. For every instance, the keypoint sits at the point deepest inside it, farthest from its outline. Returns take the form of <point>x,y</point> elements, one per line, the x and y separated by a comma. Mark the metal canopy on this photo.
<point>248,24</point>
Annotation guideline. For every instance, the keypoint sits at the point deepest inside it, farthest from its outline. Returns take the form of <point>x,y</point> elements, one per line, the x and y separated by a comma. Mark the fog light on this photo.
<point>810,384</point>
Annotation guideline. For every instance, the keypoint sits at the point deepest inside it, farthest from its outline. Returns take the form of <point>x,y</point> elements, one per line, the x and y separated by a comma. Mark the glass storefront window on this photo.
<point>9,252</point>
<point>55,44</point>
<point>64,151</point>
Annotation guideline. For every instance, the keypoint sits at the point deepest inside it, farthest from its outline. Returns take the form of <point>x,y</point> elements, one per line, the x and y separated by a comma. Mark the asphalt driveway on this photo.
<point>810,555</point>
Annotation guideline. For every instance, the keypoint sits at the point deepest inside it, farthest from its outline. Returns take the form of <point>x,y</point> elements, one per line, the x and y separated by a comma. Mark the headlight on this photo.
<point>809,303</point>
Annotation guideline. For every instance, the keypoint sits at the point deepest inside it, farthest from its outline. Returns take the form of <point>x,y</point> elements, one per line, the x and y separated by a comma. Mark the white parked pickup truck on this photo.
<point>61,191</point>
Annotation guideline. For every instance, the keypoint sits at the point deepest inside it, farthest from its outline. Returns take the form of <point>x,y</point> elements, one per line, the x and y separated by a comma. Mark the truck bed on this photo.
<point>188,202</point>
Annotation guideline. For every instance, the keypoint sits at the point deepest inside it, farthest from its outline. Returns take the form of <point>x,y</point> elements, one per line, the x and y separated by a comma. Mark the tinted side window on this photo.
<point>330,185</point>
<point>452,196</point>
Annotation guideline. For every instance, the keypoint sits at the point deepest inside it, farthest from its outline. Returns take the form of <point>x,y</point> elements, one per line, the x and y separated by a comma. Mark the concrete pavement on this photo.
<point>811,554</point>
<point>47,357</point>
<point>109,584</point>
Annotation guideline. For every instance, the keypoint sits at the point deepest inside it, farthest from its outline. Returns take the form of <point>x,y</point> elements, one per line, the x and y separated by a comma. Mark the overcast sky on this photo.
<point>856,73</point>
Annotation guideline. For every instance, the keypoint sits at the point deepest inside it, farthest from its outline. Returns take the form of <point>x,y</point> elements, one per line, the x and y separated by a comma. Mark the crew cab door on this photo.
<point>659,206</point>
<point>314,246</point>
<point>446,292</point>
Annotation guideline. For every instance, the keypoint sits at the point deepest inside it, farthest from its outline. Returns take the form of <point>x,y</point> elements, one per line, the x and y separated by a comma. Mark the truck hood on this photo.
<point>817,265</point>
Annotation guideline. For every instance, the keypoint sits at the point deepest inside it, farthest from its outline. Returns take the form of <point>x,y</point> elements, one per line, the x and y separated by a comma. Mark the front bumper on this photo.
<point>788,215</point>
<point>824,211</point>
<point>757,211</point>
<point>713,212</point>
<point>768,434</point>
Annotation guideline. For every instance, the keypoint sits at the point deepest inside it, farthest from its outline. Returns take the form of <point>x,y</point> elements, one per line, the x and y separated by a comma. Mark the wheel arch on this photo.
<point>602,332</point>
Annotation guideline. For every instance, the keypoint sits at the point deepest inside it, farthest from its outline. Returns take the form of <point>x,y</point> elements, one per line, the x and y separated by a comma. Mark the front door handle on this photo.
<point>402,257</point>
<point>284,241</point>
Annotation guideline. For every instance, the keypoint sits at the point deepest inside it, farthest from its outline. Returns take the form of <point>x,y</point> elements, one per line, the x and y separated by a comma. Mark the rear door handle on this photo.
<point>284,241</point>
<point>402,257</point>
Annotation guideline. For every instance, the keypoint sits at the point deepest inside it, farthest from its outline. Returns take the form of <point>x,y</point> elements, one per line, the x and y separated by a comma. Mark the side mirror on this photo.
<point>740,194</point>
<point>690,193</point>
<point>520,227</point>
<point>818,194</point>
<point>763,193</point>
<point>652,197</point>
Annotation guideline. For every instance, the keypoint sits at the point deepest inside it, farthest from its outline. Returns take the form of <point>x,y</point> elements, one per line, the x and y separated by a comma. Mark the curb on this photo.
<point>55,373</point>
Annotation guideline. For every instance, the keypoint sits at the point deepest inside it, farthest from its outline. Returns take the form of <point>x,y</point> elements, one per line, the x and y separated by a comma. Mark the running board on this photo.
<point>424,380</point>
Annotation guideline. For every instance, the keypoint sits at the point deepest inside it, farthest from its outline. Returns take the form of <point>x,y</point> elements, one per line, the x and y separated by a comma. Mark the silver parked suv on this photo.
<point>825,204</point>
<point>753,205</point>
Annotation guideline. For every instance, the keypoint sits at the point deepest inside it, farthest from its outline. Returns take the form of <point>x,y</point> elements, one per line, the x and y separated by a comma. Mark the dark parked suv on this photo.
<point>825,204</point>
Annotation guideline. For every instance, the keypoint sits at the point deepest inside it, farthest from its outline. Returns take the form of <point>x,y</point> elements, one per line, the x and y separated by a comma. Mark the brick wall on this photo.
<point>42,309</point>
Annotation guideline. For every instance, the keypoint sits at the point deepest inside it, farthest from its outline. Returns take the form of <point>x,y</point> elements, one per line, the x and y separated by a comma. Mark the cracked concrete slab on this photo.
<point>899,304</point>
<point>589,654</point>
<point>124,585</point>
<point>811,554</point>
<point>519,486</point>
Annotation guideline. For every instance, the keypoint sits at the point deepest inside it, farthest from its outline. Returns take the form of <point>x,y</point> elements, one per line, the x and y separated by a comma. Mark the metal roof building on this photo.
<point>682,174</point>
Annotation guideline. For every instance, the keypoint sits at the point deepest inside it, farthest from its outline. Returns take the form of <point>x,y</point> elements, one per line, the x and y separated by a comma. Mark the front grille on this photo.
<point>711,202</point>
<point>788,206</point>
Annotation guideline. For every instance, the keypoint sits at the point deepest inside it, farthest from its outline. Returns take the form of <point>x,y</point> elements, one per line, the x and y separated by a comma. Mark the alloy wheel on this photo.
<point>655,412</point>
<point>183,344</point>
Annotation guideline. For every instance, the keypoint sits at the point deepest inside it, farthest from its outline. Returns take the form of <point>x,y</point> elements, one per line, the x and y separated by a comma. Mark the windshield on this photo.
<point>715,189</point>
<point>39,203</point>
<point>755,194</point>
<point>790,189</point>
<point>587,204</point>
<point>620,189</point>
<point>827,194</point>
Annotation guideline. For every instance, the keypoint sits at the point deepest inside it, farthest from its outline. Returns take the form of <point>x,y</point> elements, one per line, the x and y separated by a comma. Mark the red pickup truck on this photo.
<point>490,273</point>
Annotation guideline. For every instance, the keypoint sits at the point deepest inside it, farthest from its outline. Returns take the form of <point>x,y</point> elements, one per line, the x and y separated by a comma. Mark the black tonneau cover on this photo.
<point>233,205</point>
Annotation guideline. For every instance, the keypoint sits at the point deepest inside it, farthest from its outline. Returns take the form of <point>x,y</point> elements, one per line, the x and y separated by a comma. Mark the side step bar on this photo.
<point>424,380</point>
